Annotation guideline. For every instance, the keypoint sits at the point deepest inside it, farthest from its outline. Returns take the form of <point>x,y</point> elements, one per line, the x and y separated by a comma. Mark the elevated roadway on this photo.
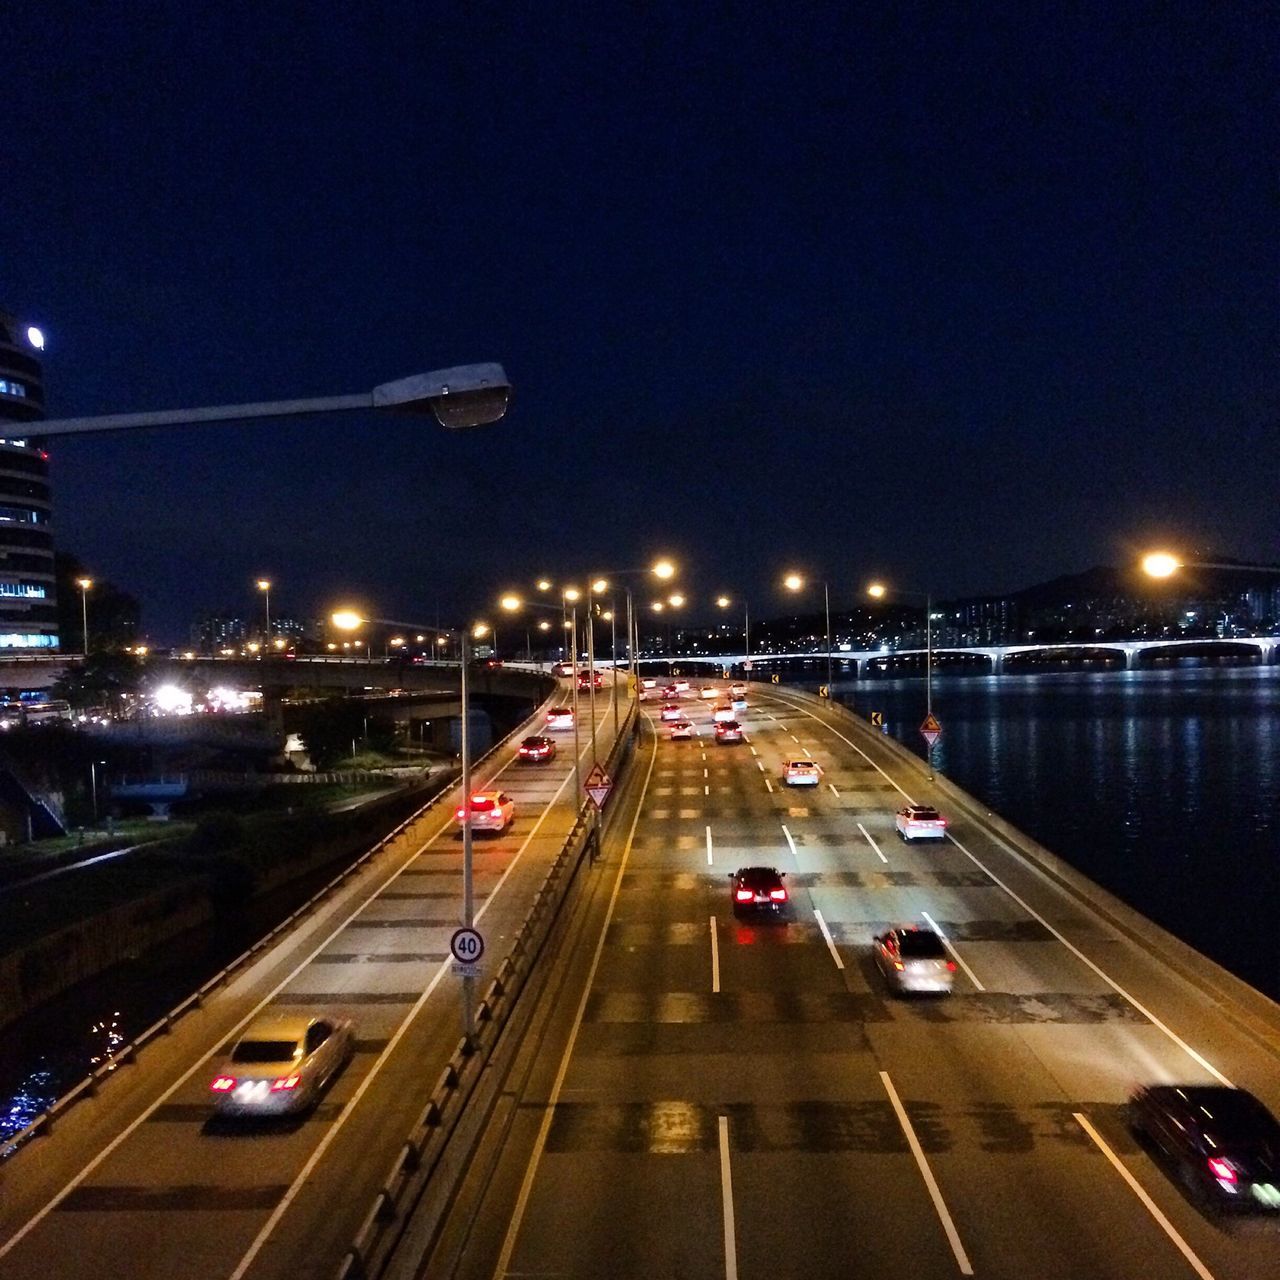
<point>137,1183</point>
<point>712,1097</point>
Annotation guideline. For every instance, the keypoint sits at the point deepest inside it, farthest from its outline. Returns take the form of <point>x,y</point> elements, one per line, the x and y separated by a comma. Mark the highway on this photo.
<point>707,1097</point>
<point>138,1184</point>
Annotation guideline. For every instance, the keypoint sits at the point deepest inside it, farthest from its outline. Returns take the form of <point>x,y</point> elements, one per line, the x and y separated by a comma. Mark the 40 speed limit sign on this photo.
<point>466,946</point>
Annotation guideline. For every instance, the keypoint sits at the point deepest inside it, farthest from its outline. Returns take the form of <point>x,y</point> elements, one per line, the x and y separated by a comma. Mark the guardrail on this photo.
<point>423,1151</point>
<point>124,1056</point>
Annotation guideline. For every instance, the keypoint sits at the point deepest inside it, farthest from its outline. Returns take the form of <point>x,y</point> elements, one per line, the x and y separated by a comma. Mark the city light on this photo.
<point>877,590</point>
<point>346,620</point>
<point>35,337</point>
<point>1160,564</point>
<point>511,603</point>
<point>793,582</point>
<point>664,569</point>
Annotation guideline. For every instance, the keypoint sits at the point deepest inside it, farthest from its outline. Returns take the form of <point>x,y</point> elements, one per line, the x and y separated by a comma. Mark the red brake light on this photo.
<point>778,895</point>
<point>282,1083</point>
<point>1222,1170</point>
<point>223,1084</point>
<point>951,966</point>
<point>744,895</point>
<point>461,813</point>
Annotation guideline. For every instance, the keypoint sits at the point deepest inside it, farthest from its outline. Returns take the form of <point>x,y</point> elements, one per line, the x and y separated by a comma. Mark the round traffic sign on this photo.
<point>466,945</point>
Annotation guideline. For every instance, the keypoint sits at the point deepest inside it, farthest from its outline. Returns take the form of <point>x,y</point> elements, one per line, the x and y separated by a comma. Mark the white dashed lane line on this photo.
<point>709,862</point>
<point>831,942</point>
<point>832,785</point>
<point>872,843</point>
<point>959,959</point>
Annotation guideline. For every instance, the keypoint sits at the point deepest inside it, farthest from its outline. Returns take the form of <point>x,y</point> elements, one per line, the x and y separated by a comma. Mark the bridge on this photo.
<point>687,1092</point>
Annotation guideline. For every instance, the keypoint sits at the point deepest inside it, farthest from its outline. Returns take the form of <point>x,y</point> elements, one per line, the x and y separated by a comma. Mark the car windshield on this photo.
<point>1234,1116</point>
<point>264,1051</point>
<point>759,878</point>
<point>802,764</point>
<point>919,945</point>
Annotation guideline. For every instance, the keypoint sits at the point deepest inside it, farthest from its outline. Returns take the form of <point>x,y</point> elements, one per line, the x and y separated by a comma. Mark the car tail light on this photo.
<point>283,1083</point>
<point>778,895</point>
<point>744,895</point>
<point>897,964</point>
<point>223,1084</point>
<point>951,966</point>
<point>461,813</point>
<point>1223,1170</point>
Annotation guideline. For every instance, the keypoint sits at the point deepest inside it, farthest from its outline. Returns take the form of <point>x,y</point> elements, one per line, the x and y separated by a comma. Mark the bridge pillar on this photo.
<point>997,663</point>
<point>1130,658</point>
<point>273,711</point>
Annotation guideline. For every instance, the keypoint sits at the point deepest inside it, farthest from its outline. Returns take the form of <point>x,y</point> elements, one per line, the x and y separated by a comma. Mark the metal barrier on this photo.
<point>422,1152</point>
<point>43,1123</point>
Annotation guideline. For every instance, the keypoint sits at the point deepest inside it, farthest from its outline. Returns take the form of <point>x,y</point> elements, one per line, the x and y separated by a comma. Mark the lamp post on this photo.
<point>795,582</point>
<point>878,591</point>
<point>84,584</point>
<point>350,620</point>
<point>93,786</point>
<point>724,602</point>
<point>264,585</point>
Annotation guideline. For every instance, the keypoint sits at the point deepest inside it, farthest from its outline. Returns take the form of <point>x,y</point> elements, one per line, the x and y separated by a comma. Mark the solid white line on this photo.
<point>790,841</point>
<point>526,1187</point>
<point>726,1199</point>
<point>871,842</point>
<point>832,785</point>
<point>831,942</point>
<point>709,862</point>
<point>1150,1205</point>
<point>715,957</point>
<point>1084,959</point>
<point>953,1236</point>
<point>959,959</point>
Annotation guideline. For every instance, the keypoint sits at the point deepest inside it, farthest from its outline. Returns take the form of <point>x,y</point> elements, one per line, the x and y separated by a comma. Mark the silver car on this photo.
<point>282,1064</point>
<point>914,959</point>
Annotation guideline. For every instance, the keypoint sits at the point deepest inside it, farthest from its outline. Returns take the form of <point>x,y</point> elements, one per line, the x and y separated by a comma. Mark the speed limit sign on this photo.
<point>466,945</point>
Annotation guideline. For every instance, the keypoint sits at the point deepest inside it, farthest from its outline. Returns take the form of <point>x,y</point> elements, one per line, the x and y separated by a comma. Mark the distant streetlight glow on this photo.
<point>599,585</point>
<point>511,603</point>
<point>664,569</point>
<point>675,601</point>
<point>793,582</point>
<point>723,601</point>
<point>35,337</point>
<point>657,606</point>
<point>544,584</point>
<point>877,590</point>
<point>1160,564</point>
<point>346,620</point>
<point>572,594</point>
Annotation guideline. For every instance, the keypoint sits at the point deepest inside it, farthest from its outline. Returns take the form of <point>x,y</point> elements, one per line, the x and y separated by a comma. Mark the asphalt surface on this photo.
<point>138,1184</point>
<point>714,1097</point>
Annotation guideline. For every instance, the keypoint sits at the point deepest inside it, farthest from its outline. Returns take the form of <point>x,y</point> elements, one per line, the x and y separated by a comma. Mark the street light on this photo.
<point>468,395</point>
<point>1160,564</point>
<point>724,602</point>
<point>351,620</point>
<point>84,584</point>
<point>794,582</point>
<point>264,585</point>
<point>878,591</point>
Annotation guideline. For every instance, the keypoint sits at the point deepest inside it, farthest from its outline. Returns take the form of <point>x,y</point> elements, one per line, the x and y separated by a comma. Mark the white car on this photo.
<point>801,772</point>
<point>681,686</point>
<point>490,811</point>
<point>563,668</point>
<point>672,711</point>
<point>560,718</point>
<point>682,729</point>
<point>648,682</point>
<point>920,822</point>
<point>722,711</point>
<point>708,692</point>
<point>281,1064</point>
<point>737,689</point>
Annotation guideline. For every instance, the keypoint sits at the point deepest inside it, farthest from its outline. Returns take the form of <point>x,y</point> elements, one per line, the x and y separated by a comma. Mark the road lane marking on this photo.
<point>760,765</point>
<point>794,738</point>
<point>709,862</point>
<point>959,959</point>
<point>754,752</point>
<point>705,774</point>
<point>953,1236</point>
<point>548,1114</point>
<point>831,942</point>
<point>790,841</point>
<point>715,958</point>
<point>706,791</point>
<point>726,1199</point>
<point>1150,1205</point>
<point>1084,959</point>
<point>768,784</point>
<point>871,842</point>
<point>832,785</point>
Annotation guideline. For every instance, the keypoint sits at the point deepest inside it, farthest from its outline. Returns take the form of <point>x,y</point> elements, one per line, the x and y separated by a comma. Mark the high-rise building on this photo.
<point>28,601</point>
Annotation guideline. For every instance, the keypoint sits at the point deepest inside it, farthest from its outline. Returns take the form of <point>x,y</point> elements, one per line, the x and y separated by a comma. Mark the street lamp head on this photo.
<point>572,594</point>
<point>1160,564</point>
<point>544,584</point>
<point>723,601</point>
<point>346,620</point>
<point>84,583</point>
<point>607,615</point>
<point>664,569</point>
<point>480,630</point>
<point>511,603</point>
<point>877,590</point>
<point>442,640</point>
<point>419,638</point>
<point>793,582</point>
<point>544,625</point>
<point>396,641</point>
<point>657,606</point>
<point>264,584</point>
<point>675,601</point>
<point>600,585</point>
<point>469,395</point>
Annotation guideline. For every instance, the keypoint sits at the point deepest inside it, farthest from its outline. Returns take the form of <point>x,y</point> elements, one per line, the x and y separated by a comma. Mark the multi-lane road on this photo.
<point>710,1097</point>
<point>137,1184</point>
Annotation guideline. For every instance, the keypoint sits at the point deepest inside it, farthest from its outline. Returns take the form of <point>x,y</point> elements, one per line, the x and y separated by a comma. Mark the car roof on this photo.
<point>537,737</point>
<point>799,761</point>
<point>278,1026</point>
<point>1220,1107</point>
<point>758,873</point>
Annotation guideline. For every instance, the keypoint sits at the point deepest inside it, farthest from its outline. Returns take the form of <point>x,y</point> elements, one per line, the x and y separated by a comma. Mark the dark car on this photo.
<point>1224,1143</point>
<point>537,749</point>
<point>758,889</point>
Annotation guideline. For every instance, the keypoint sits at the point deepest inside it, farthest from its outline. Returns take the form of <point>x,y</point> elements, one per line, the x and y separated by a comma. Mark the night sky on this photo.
<point>968,296</point>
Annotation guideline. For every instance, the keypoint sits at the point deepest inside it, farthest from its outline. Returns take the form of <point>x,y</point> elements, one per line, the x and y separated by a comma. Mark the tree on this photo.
<point>114,615</point>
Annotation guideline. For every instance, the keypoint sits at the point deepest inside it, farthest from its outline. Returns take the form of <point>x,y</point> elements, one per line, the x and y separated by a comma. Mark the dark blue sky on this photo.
<point>969,296</point>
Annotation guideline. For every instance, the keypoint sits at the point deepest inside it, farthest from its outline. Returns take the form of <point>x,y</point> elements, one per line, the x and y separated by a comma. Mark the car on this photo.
<point>801,772</point>
<point>584,680</point>
<point>490,811</point>
<point>281,1064</point>
<point>537,749</point>
<point>728,731</point>
<point>738,701</point>
<point>914,959</point>
<point>920,822</point>
<point>563,669</point>
<point>648,682</point>
<point>645,695</point>
<point>1223,1142</point>
<point>758,889</point>
<point>737,689</point>
<point>722,711</point>
<point>672,711</point>
<point>682,729</point>
<point>560,718</point>
<point>681,686</point>
<point>670,691</point>
<point>708,692</point>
